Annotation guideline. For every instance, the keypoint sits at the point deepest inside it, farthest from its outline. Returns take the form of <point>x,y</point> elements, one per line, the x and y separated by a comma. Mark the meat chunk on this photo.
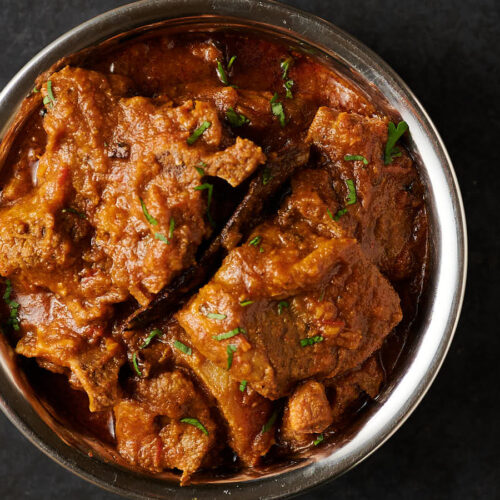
<point>389,197</point>
<point>88,355</point>
<point>308,411</point>
<point>348,388</point>
<point>318,308</point>
<point>155,430</point>
<point>245,411</point>
<point>115,211</point>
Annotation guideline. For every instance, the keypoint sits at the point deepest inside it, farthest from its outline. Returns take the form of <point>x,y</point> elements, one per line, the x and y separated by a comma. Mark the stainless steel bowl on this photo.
<point>439,310</point>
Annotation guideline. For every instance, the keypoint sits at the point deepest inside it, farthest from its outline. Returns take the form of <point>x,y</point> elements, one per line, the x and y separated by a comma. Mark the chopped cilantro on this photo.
<point>266,175</point>
<point>236,119</point>
<point>13,320</point>
<point>198,132</point>
<point>183,348</point>
<point>278,110</point>
<point>171,227</point>
<point>356,158</point>
<point>196,423</point>
<point>210,189</point>
<point>230,334</point>
<point>162,237</point>
<point>148,216</point>
<point>154,333</point>
<point>288,83</point>
<point>230,349</point>
<point>311,340</point>
<point>351,197</point>
<point>393,135</point>
<point>255,241</point>
<point>216,316</point>
<point>136,366</point>
<point>49,98</point>
<point>319,439</point>
<point>268,425</point>
<point>201,168</point>
<point>231,62</point>
<point>221,73</point>
<point>285,66</point>
<point>243,385</point>
<point>338,214</point>
<point>282,305</point>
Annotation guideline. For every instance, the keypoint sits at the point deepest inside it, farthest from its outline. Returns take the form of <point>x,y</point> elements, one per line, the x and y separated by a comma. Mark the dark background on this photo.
<point>449,54</point>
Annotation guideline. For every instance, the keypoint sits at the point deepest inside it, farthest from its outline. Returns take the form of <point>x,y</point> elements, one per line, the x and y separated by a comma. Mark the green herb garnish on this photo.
<point>136,366</point>
<point>231,62</point>
<point>243,385</point>
<point>148,216</point>
<point>266,176</point>
<point>282,305</point>
<point>351,197</point>
<point>338,214</point>
<point>49,98</point>
<point>393,135</point>
<point>285,66</point>
<point>183,348</point>
<point>216,316</point>
<point>154,333</point>
<point>196,423</point>
<point>222,74</point>
<point>311,340</point>
<point>288,83</point>
<point>228,335</point>
<point>171,227</point>
<point>270,422</point>
<point>198,132</point>
<point>13,320</point>
<point>201,168</point>
<point>230,349</point>
<point>210,189</point>
<point>255,241</point>
<point>356,158</point>
<point>245,303</point>
<point>318,439</point>
<point>278,110</point>
<point>162,237</point>
<point>72,210</point>
<point>322,295</point>
<point>236,119</point>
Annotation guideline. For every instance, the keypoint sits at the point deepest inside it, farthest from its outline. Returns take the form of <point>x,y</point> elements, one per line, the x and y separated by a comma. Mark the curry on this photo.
<point>211,239</point>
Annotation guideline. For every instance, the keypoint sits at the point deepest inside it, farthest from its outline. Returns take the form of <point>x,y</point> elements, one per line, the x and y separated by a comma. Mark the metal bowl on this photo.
<point>439,309</point>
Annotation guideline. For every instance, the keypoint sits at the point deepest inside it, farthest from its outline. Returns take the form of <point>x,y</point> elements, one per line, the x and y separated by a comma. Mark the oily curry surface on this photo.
<point>209,238</point>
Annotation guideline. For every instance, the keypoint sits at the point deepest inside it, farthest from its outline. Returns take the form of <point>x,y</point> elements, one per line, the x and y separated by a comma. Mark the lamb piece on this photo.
<point>114,211</point>
<point>88,355</point>
<point>348,388</point>
<point>319,308</point>
<point>307,412</point>
<point>245,411</point>
<point>149,429</point>
<point>246,216</point>
<point>389,214</point>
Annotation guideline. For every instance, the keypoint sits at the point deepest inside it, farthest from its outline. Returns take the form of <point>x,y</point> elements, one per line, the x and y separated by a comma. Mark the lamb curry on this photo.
<point>209,239</point>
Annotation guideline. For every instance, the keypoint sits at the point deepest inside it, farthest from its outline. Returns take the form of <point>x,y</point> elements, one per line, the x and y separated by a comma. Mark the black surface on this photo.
<point>448,52</point>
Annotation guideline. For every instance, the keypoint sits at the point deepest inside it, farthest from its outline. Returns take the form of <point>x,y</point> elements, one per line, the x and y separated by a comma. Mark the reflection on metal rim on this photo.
<point>439,312</point>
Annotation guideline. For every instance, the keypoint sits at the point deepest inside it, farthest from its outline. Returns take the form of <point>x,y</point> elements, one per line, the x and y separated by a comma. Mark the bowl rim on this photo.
<point>450,236</point>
